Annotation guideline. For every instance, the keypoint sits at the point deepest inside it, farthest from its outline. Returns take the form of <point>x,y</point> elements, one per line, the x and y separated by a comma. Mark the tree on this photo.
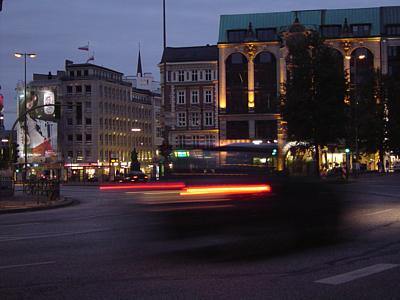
<point>314,92</point>
<point>392,93</point>
<point>370,101</point>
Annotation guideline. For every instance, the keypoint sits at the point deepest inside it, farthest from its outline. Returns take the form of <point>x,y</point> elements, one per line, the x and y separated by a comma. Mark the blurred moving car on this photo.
<point>294,210</point>
<point>133,176</point>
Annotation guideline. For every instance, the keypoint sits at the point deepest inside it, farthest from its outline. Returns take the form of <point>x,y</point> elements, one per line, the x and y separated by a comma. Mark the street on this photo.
<point>110,246</point>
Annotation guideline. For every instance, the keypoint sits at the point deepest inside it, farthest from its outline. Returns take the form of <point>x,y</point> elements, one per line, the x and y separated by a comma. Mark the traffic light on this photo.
<point>57,110</point>
<point>347,150</point>
<point>274,152</point>
<point>15,152</point>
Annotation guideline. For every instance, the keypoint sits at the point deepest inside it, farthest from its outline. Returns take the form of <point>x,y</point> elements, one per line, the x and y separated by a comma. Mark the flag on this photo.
<point>90,58</point>
<point>85,48</point>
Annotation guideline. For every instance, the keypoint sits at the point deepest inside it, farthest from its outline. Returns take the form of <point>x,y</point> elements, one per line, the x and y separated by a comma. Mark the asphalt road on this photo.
<point>110,246</point>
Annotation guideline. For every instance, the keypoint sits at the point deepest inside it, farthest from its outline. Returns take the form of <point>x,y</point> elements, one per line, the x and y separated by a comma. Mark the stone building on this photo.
<point>252,61</point>
<point>191,96</point>
<point>102,118</point>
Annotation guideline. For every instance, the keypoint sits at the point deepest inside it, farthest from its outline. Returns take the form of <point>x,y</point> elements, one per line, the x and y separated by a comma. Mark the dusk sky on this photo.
<point>54,29</point>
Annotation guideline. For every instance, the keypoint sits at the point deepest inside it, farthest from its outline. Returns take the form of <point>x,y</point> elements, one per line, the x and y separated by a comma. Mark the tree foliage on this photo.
<point>314,92</point>
<point>392,100</point>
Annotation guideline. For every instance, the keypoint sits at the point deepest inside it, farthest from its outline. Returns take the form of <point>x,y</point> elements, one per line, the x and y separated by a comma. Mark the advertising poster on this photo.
<point>41,124</point>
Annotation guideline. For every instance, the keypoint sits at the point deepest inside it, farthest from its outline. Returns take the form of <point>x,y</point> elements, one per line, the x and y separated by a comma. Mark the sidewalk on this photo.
<point>21,202</point>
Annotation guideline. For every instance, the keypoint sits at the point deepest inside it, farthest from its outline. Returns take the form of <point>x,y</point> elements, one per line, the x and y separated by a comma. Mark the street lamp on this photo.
<point>24,55</point>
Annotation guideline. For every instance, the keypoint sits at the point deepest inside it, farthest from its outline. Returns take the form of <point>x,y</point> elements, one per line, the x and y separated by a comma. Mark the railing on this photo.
<point>42,189</point>
<point>6,186</point>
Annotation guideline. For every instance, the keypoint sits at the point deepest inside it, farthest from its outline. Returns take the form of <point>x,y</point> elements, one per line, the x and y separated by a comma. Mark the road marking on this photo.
<point>39,236</point>
<point>347,277</point>
<point>22,224</point>
<point>27,265</point>
<point>379,212</point>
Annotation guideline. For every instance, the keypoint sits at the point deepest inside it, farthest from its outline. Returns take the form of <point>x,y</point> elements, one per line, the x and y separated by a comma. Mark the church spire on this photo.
<point>139,65</point>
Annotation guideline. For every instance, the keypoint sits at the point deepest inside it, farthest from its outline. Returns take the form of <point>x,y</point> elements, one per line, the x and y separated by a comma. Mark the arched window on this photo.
<point>236,84</point>
<point>361,65</point>
<point>265,82</point>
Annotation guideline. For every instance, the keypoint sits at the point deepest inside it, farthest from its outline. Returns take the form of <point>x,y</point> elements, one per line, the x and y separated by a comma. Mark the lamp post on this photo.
<point>24,55</point>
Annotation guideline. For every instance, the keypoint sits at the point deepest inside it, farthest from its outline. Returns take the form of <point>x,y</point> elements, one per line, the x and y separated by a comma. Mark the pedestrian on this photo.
<point>357,168</point>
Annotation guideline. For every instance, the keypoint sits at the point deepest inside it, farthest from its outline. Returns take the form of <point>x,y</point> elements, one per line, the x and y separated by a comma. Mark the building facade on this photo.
<point>102,119</point>
<point>191,96</point>
<point>252,61</point>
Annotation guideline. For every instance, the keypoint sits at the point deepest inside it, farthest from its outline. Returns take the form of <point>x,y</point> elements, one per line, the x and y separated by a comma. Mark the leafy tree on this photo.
<point>392,93</point>
<point>369,112</point>
<point>314,92</point>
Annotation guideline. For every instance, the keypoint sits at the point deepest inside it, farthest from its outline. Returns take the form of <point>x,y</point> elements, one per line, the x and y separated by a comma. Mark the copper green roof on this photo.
<point>376,16</point>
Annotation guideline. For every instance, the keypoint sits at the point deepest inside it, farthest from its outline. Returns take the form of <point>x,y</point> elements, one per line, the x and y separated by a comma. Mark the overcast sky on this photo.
<point>54,29</point>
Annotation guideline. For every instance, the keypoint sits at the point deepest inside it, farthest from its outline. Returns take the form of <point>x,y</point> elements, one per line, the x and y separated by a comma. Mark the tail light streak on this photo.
<point>226,190</point>
<point>145,186</point>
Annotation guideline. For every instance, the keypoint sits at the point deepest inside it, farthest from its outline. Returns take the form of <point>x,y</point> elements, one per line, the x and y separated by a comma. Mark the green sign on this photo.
<point>181,153</point>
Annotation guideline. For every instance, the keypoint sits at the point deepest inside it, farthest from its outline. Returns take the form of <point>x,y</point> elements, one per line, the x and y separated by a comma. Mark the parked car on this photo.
<point>133,176</point>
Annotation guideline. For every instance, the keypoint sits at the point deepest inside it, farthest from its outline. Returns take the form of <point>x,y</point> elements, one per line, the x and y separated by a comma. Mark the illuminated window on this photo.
<point>196,140</point>
<point>180,141</point>
<point>209,140</point>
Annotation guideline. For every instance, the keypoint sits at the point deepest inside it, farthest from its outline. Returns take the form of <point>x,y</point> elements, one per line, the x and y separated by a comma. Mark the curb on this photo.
<point>61,203</point>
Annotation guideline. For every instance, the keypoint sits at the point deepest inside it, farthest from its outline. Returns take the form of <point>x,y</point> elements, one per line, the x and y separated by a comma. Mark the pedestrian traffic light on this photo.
<point>57,110</point>
<point>15,152</point>
<point>274,152</point>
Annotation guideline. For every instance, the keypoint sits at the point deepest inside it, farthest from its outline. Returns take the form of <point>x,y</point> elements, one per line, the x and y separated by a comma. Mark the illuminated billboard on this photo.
<point>41,124</point>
